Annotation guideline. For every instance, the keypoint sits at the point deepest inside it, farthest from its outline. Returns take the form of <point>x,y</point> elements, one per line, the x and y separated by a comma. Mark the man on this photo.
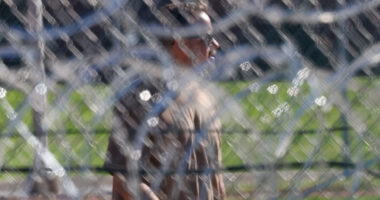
<point>183,138</point>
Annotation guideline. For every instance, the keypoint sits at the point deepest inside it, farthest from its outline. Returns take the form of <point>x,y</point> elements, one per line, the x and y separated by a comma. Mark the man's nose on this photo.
<point>214,44</point>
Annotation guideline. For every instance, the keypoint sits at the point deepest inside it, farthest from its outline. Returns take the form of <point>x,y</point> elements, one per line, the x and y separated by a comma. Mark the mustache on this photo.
<point>212,53</point>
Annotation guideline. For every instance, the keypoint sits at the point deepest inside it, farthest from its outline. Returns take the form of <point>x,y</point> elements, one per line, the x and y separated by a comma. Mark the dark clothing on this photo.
<point>185,136</point>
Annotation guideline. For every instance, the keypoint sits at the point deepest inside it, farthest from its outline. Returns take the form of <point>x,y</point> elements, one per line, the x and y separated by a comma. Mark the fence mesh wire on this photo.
<point>295,84</point>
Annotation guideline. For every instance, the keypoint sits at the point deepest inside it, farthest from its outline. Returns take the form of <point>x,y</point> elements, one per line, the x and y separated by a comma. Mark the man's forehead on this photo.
<point>203,18</point>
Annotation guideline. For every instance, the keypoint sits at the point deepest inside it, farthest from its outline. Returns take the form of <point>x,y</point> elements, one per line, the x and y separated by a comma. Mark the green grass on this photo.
<point>237,148</point>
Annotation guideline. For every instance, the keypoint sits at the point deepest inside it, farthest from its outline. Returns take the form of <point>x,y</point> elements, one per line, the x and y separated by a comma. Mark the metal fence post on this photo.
<point>39,181</point>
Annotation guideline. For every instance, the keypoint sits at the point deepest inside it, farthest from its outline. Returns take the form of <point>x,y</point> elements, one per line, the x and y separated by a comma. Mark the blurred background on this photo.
<point>296,83</point>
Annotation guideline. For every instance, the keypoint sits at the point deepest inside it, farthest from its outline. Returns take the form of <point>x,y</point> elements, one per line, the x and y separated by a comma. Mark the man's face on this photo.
<point>191,51</point>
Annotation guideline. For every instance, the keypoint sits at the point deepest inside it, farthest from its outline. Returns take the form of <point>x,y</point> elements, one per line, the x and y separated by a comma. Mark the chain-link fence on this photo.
<point>294,82</point>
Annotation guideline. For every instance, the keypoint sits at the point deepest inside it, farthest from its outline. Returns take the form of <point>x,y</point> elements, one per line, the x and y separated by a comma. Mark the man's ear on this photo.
<point>172,42</point>
<point>168,42</point>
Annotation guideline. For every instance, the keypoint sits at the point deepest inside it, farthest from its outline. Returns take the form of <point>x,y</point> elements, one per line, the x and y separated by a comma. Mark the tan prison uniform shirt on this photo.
<point>182,139</point>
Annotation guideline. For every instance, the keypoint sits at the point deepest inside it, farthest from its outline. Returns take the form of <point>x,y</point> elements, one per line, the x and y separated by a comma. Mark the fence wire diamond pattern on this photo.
<point>295,83</point>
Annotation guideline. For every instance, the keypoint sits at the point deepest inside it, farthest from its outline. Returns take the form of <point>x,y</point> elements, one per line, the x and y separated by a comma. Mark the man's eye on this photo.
<point>208,39</point>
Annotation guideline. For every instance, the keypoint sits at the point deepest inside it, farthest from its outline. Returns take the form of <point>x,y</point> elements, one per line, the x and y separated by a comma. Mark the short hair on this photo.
<point>171,13</point>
